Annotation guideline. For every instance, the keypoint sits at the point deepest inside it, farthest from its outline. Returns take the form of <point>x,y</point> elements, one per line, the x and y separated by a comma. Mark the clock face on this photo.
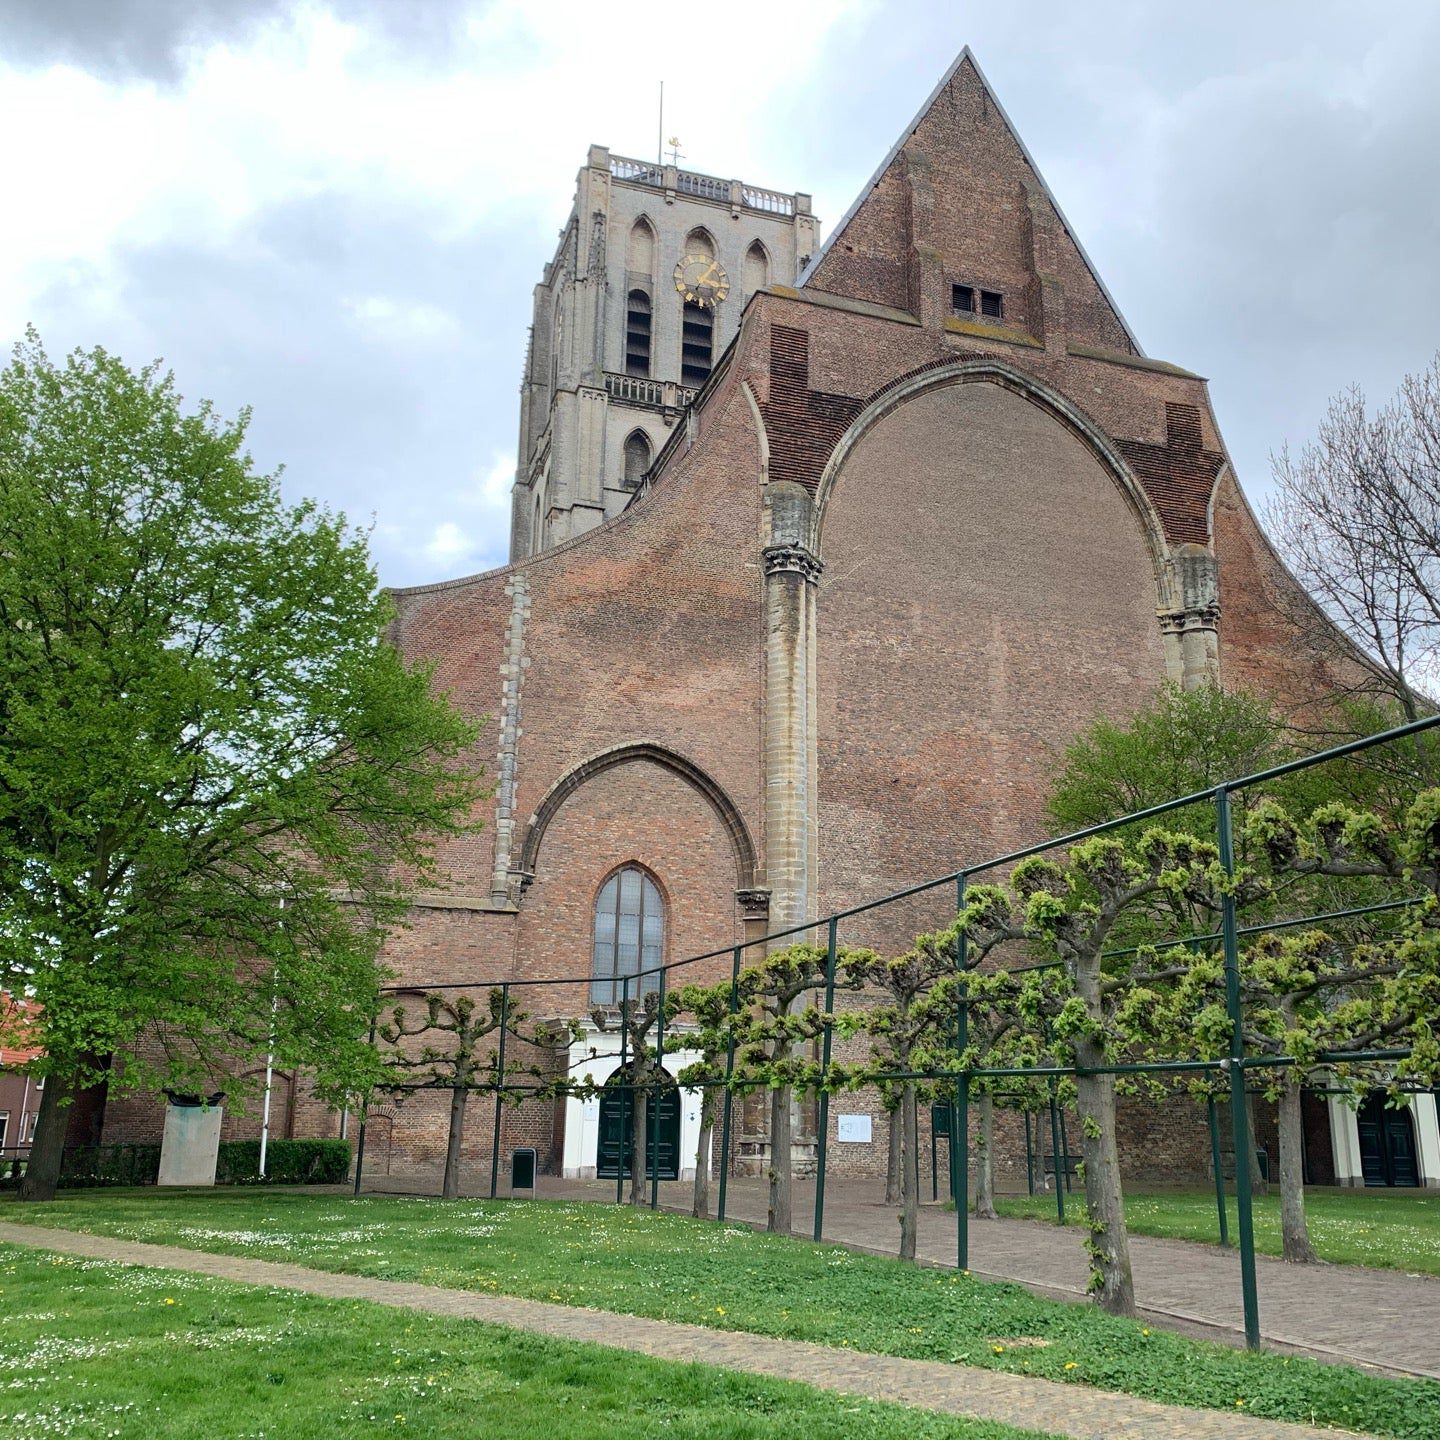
<point>701,280</point>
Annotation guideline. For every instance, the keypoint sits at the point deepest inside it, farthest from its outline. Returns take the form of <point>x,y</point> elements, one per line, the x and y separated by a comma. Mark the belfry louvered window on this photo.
<point>637,333</point>
<point>629,936</point>
<point>962,299</point>
<point>992,303</point>
<point>697,344</point>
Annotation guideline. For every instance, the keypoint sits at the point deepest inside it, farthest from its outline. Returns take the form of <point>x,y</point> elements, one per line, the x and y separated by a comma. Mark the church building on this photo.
<point>821,554</point>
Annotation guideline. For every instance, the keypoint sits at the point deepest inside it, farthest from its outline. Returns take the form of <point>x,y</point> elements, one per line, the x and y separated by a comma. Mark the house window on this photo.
<point>4,1126</point>
<point>697,343</point>
<point>962,299</point>
<point>992,303</point>
<point>637,334</point>
<point>637,458</point>
<point>629,936</point>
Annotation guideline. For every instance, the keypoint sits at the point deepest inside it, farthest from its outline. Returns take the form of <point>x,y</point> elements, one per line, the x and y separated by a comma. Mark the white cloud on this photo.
<point>407,322</point>
<point>449,544</point>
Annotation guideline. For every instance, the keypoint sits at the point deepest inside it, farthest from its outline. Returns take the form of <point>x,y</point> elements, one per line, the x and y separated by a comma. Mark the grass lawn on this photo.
<point>1394,1229</point>
<point>91,1349</point>
<point>672,1267</point>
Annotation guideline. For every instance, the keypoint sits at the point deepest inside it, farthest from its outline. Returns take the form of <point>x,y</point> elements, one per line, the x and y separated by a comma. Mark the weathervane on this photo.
<point>675,155</point>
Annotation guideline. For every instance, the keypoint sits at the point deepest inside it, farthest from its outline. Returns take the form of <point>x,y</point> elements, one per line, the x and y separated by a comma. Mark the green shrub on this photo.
<point>84,1166</point>
<point>287,1162</point>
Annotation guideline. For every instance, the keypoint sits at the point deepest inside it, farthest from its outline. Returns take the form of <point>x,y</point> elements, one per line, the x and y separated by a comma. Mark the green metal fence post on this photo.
<point>1214,1119</point>
<point>823,1135</point>
<point>655,1098</point>
<point>624,1089</point>
<point>729,1074</point>
<point>1029,1158</point>
<point>1236,1068</point>
<point>934,1169</point>
<point>499,1090</point>
<point>1055,1153</point>
<point>1064,1157</point>
<point>960,1130</point>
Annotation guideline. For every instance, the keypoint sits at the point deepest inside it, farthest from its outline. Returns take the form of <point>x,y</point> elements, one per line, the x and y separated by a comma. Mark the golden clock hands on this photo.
<point>710,277</point>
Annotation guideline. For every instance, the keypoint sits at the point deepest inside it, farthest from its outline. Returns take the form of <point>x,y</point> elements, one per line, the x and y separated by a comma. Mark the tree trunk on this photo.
<point>1111,1281</point>
<point>47,1150</point>
<point>1294,1233</point>
<point>781,1165</point>
<point>909,1174</point>
<point>450,1186</point>
<point>639,1145</point>
<point>1258,1183</point>
<point>985,1174</point>
<point>892,1166</point>
<point>700,1204</point>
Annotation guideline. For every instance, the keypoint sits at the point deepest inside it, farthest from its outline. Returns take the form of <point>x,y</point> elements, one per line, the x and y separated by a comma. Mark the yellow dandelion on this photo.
<point>719,1309</point>
<point>1143,1330</point>
<point>1070,1364</point>
<point>168,1300</point>
<point>998,1349</point>
<point>1239,1402</point>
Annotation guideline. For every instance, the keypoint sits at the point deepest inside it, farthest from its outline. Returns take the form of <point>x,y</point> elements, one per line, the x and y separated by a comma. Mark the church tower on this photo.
<point>653,271</point>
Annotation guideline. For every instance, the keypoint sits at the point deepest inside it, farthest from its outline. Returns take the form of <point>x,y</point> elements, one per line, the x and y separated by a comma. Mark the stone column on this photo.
<point>1192,627</point>
<point>791,572</point>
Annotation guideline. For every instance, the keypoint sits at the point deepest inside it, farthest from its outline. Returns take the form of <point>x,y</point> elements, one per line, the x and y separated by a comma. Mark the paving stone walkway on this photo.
<point>1043,1405</point>
<point>1334,1312</point>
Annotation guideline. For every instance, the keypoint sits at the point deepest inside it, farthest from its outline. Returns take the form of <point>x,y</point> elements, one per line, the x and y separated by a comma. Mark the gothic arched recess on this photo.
<point>724,808</point>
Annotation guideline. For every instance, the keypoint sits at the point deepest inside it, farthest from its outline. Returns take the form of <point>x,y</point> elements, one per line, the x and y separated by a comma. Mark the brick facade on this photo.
<point>893,561</point>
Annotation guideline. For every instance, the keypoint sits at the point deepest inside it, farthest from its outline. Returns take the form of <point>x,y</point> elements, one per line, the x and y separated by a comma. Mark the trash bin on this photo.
<point>522,1169</point>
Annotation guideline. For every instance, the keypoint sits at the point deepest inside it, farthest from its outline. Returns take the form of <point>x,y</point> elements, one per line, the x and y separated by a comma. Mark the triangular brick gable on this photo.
<point>959,201</point>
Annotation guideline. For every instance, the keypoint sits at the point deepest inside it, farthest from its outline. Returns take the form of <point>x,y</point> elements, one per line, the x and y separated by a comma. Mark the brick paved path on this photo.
<point>1379,1318</point>
<point>1043,1405</point>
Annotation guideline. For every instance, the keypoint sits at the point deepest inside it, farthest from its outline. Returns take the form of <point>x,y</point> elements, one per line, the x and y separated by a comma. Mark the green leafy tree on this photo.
<point>218,782</point>
<point>1180,742</point>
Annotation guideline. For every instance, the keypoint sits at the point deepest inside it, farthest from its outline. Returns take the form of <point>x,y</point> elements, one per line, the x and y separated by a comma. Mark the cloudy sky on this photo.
<point>334,210</point>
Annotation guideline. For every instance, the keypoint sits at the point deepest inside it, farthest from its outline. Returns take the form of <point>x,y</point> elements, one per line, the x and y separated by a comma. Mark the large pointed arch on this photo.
<point>687,770</point>
<point>995,372</point>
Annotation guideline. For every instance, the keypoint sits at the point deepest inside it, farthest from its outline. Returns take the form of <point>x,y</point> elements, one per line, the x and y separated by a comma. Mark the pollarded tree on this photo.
<point>1097,1019</point>
<point>911,1029</point>
<point>468,1061</point>
<point>1333,993</point>
<point>218,781</point>
<point>635,1019</point>
<point>772,1030</point>
<point>710,1008</point>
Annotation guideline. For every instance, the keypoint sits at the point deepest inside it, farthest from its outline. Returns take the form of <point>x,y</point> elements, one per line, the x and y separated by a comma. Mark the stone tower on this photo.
<point>653,270</point>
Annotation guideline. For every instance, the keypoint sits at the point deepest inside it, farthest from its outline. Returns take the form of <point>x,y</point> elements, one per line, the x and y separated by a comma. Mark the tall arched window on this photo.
<point>629,936</point>
<point>697,343</point>
<point>757,268</point>
<point>637,457</point>
<point>637,333</point>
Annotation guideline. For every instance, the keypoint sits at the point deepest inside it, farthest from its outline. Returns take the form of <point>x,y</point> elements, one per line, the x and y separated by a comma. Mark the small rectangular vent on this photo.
<point>992,303</point>
<point>962,299</point>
